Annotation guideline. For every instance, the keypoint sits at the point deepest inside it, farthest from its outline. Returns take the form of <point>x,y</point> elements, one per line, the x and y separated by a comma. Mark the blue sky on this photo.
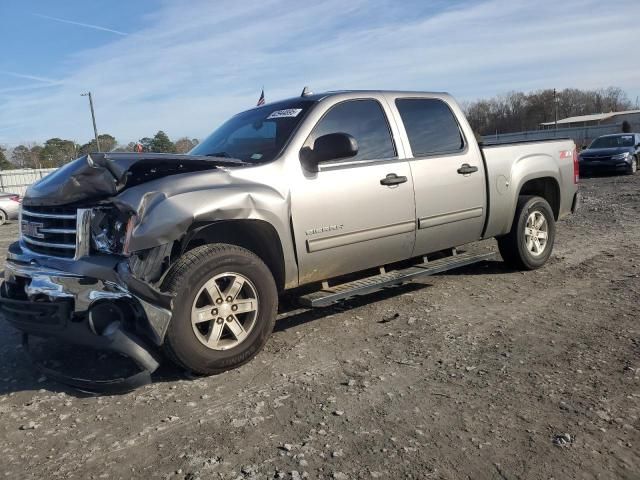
<point>184,66</point>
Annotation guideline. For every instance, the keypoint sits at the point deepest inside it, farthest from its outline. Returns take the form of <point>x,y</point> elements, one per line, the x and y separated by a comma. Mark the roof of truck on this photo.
<point>322,95</point>
<point>317,97</point>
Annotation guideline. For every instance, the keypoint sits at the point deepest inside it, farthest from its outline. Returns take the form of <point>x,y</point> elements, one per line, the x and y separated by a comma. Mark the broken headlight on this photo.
<point>111,230</point>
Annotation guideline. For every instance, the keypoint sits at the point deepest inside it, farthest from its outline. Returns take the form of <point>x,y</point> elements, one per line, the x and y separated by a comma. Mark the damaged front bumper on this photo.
<point>94,301</point>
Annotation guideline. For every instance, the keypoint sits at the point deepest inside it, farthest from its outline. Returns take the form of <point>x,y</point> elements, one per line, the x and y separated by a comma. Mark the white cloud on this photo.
<point>80,24</point>
<point>29,77</point>
<point>197,62</point>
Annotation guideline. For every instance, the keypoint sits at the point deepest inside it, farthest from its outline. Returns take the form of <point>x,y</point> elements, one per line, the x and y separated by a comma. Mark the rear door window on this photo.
<point>431,126</point>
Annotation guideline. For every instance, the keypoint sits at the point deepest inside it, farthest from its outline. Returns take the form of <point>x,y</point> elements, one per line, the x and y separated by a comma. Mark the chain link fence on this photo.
<point>17,181</point>
<point>580,135</point>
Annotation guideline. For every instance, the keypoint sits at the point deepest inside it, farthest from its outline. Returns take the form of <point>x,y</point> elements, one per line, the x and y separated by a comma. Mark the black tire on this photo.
<point>513,247</point>
<point>185,280</point>
<point>633,167</point>
<point>3,217</point>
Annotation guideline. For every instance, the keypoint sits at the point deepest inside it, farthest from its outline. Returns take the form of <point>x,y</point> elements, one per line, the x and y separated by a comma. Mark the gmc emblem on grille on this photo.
<point>32,229</point>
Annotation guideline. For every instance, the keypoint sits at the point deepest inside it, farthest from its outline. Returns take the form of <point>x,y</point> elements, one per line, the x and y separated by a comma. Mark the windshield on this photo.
<point>257,135</point>
<point>614,141</point>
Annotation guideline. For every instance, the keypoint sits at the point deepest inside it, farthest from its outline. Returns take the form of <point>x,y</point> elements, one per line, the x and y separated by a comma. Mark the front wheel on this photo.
<point>529,243</point>
<point>224,308</point>
<point>633,167</point>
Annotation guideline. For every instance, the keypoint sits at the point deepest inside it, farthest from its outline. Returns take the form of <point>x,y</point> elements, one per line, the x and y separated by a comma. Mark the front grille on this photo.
<point>50,231</point>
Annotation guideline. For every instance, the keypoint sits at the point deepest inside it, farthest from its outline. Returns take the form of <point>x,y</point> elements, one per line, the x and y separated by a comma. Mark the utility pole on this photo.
<point>93,117</point>
<point>555,105</point>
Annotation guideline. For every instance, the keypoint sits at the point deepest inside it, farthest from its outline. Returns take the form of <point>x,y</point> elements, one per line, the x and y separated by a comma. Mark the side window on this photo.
<point>431,126</point>
<point>365,121</point>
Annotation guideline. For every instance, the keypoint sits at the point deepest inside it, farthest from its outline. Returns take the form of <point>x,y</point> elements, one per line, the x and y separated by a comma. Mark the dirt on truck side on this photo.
<point>482,372</point>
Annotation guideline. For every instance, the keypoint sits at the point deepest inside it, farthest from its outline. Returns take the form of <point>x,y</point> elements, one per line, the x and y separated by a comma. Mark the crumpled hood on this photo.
<point>170,196</point>
<point>102,175</point>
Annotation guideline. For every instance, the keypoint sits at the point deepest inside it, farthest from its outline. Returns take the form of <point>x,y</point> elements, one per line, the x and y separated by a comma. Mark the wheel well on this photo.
<point>256,236</point>
<point>546,188</point>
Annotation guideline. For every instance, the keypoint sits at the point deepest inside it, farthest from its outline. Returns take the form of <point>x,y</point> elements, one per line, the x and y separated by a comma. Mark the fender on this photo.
<point>167,208</point>
<point>525,169</point>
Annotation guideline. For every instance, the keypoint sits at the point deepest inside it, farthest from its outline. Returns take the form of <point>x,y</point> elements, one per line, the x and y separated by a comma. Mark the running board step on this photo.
<point>330,295</point>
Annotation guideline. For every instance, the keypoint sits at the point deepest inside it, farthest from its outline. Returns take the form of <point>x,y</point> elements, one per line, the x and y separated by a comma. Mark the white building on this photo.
<point>611,118</point>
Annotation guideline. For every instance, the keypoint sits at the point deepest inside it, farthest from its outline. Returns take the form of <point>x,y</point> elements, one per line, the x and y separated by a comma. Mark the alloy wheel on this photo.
<point>224,311</point>
<point>536,233</point>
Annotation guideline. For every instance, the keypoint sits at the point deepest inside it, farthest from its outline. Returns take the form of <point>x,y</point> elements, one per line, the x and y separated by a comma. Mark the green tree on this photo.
<point>21,156</point>
<point>184,144</point>
<point>4,163</point>
<point>107,143</point>
<point>161,143</point>
<point>34,158</point>
<point>129,147</point>
<point>57,152</point>
<point>146,144</point>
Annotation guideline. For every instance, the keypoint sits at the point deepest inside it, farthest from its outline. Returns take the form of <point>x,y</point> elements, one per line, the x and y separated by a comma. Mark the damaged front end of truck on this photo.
<point>96,238</point>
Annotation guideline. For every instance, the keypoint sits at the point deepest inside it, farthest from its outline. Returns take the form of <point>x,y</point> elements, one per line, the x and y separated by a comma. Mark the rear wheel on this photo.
<point>224,309</point>
<point>529,243</point>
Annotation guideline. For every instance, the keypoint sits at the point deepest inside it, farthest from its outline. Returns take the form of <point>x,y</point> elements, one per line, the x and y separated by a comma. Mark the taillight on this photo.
<point>15,198</point>
<point>576,166</point>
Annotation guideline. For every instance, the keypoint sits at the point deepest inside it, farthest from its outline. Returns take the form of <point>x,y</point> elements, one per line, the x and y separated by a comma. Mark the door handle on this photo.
<point>393,179</point>
<point>466,169</point>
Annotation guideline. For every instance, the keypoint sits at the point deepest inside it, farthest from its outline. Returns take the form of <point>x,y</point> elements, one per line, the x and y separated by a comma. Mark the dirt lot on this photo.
<point>465,375</point>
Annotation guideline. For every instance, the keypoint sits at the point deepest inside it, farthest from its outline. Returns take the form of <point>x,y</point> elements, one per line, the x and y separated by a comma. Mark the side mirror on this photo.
<point>584,147</point>
<point>332,146</point>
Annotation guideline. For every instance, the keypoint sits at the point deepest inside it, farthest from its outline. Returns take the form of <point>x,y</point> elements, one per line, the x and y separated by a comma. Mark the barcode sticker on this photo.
<point>289,112</point>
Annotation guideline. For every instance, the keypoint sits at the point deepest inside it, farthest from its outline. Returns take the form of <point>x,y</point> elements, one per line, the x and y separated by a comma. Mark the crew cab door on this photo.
<point>347,215</point>
<point>448,175</point>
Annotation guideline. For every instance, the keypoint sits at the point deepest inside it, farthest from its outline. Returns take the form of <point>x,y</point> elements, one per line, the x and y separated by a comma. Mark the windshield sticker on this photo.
<point>256,156</point>
<point>288,113</point>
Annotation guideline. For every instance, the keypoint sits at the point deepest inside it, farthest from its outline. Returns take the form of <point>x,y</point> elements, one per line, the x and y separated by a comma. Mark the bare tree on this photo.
<point>518,111</point>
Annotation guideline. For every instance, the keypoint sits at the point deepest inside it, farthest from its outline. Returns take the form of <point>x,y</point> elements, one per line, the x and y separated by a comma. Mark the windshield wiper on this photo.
<point>228,158</point>
<point>219,154</point>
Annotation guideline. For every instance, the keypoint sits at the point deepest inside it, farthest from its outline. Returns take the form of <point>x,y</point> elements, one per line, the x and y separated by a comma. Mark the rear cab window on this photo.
<point>431,126</point>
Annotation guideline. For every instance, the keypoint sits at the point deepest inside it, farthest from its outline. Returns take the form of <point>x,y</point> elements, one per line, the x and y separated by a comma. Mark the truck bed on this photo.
<point>510,165</point>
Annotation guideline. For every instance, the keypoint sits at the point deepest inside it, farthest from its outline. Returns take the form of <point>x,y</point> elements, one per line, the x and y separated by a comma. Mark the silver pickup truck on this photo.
<point>325,196</point>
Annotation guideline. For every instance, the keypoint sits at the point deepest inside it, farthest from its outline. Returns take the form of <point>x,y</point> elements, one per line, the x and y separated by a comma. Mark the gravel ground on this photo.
<point>480,373</point>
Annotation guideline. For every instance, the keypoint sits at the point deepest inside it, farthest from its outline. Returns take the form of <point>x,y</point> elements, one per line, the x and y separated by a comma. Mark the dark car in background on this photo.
<point>611,153</point>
